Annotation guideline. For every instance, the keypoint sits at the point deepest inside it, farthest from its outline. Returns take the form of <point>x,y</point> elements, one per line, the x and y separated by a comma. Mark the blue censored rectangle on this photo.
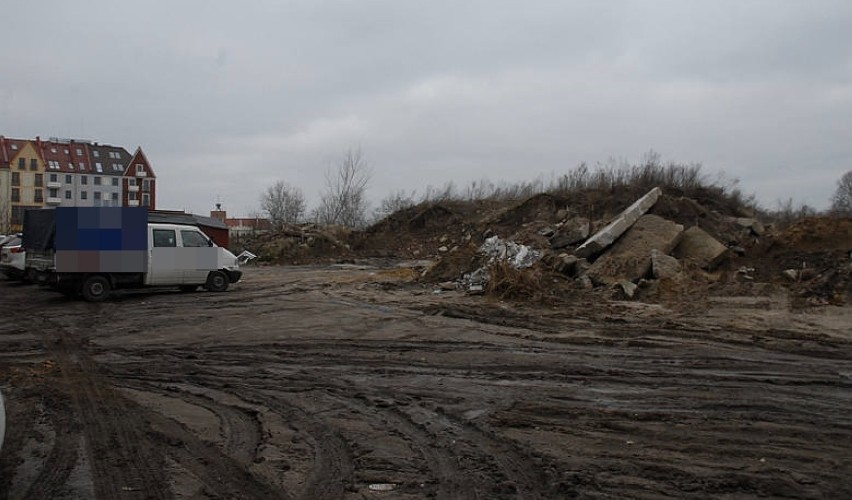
<point>101,239</point>
<point>101,228</point>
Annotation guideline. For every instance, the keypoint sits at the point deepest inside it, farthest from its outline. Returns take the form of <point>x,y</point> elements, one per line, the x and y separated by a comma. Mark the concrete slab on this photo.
<point>664,266</point>
<point>608,235</point>
<point>630,258</point>
<point>572,232</point>
<point>697,245</point>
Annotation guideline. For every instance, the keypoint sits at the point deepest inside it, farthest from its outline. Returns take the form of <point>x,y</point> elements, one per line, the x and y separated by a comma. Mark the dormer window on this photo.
<point>95,154</point>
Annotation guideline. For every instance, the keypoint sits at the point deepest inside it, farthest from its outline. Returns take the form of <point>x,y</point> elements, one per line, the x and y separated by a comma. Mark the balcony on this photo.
<point>132,189</point>
<point>133,203</point>
<point>53,200</point>
<point>54,184</point>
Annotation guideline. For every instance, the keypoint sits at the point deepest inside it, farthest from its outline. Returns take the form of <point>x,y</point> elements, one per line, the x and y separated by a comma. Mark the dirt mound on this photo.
<point>817,234</point>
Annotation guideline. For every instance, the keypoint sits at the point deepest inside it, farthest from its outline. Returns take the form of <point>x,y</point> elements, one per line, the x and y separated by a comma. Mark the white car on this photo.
<point>12,258</point>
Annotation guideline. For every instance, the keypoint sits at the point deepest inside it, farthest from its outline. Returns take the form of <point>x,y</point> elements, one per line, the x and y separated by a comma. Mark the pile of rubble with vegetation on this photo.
<point>666,245</point>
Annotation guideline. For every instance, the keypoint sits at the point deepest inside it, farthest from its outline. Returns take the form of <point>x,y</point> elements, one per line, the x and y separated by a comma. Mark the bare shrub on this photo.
<point>507,282</point>
<point>394,202</point>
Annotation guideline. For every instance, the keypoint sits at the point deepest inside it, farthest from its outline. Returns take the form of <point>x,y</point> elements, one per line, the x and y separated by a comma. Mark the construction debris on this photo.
<point>630,258</point>
<point>570,233</point>
<point>624,221</point>
<point>519,256</point>
<point>697,245</point>
<point>752,225</point>
<point>663,266</point>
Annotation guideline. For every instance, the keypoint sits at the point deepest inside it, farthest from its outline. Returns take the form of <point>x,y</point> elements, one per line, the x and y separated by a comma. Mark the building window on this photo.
<point>146,199</point>
<point>131,196</point>
<point>114,196</point>
<point>146,185</point>
<point>82,166</point>
<point>79,152</point>
<point>99,167</point>
<point>53,150</point>
<point>38,196</point>
<point>22,163</point>
<point>14,147</point>
<point>39,180</point>
<point>33,164</point>
<point>140,169</point>
<point>115,181</point>
<point>84,179</point>
<point>84,195</point>
<point>97,181</point>
<point>68,179</point>
<point>52,193</point>
<point>97,195</point>
<point>70,166</point>
<point>16,178</point>
<point>16,194</point>
<point>54,178</point>
<point>95,154</point>
<point>67,194</point>
<point>131,182</point>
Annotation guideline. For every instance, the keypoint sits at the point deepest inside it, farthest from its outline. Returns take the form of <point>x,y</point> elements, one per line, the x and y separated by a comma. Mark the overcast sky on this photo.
<point>227,97</point>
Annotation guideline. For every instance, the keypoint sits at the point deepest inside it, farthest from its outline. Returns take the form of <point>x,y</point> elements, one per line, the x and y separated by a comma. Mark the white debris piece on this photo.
<point>246,256</point>
<point>520,256</point>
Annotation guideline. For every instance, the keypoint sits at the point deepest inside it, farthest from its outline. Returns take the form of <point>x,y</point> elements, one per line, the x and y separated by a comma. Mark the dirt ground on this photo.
<point>354,381</point>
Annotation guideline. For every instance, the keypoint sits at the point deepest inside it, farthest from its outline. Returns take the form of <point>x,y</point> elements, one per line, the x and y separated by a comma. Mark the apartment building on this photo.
<point>67,172</point>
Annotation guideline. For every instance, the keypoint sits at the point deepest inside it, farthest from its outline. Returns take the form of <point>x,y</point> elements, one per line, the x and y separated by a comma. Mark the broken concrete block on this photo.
<point>547,232</point>
<point>698,246</point>
<point>630,258</point>
<point>571,233</point>
<point>753,225</point>
<point>663,266</point>
<point>628,288</point>
<point>566,264</point>
<point>791,274</point>
<point>607,236</point>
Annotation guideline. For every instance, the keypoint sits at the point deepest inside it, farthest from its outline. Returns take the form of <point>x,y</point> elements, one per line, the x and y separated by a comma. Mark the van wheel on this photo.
<point>217,281</point>
<point>95,289</point>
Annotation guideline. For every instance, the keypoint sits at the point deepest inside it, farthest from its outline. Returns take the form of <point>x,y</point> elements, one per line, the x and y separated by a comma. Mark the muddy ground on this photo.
<point>356,382</point>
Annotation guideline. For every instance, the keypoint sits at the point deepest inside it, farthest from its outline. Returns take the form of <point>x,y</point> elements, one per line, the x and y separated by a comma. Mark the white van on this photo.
<point>177,256</point>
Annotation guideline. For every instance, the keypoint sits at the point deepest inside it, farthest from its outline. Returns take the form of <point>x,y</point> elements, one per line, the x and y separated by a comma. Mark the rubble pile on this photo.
<point>661,247</point>
<point>676,250</point>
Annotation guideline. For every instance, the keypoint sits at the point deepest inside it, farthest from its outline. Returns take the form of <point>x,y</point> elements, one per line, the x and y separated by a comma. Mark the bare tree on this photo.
<point>344,201</point>
<point>841,202</point>
<point>283,204</point>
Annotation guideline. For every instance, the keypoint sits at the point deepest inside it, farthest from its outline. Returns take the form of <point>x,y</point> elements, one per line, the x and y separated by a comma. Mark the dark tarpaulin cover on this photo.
<point>39,229</point>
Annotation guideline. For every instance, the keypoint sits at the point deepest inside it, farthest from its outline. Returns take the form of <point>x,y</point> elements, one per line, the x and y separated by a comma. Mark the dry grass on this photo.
<point>506,282</point>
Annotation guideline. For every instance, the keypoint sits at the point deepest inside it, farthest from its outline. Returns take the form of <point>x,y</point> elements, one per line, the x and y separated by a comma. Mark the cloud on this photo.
<point>225,98</point>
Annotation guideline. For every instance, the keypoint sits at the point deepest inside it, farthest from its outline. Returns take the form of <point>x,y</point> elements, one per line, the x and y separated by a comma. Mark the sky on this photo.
<point>226,98</point>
